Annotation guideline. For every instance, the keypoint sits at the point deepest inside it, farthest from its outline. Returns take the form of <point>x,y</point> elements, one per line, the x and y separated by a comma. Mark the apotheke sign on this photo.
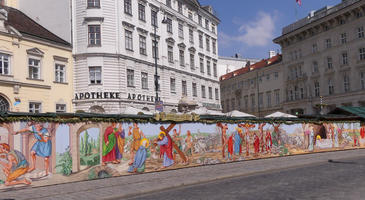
<point>113,95</point>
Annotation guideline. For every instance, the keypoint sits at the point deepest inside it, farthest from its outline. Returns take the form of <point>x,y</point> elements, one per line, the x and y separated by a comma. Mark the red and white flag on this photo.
<point>299,2</point>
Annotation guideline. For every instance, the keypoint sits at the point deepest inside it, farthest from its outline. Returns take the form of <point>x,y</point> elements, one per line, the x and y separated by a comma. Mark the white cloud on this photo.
<point>257,33</point>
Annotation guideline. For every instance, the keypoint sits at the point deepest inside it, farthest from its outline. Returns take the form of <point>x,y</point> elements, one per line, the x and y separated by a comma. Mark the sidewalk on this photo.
<point>119,187</point>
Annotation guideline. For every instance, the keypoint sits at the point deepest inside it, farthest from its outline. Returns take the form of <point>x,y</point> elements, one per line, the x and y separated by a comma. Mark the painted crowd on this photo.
<point>40,154</point>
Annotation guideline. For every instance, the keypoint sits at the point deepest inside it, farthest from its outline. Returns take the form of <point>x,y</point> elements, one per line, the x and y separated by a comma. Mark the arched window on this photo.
<point>4,104</point>
<point>97,109</point>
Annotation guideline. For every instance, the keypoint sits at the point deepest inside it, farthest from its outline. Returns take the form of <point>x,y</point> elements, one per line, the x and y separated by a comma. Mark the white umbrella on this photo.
<point>214,112</point>
<point>280,114</point>
<point>134,111</point>
<point>201,111</point>
<point>236,113</point>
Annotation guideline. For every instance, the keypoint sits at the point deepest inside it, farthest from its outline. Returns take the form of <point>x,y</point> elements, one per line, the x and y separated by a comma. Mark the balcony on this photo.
<point>300,77</point>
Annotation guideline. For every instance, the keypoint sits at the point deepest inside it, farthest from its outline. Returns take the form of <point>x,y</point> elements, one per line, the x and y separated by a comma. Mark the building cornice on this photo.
<point>6,82</point>
<point>143,62</point>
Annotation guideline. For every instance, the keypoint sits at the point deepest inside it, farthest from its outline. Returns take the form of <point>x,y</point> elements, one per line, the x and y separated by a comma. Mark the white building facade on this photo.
<point>230,64</point>
<point>114,54</point>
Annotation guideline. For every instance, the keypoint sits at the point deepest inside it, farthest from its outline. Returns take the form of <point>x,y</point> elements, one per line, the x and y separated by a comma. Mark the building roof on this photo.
<point>350,111</point>
<point>28,27</point>
<point>258,65</point>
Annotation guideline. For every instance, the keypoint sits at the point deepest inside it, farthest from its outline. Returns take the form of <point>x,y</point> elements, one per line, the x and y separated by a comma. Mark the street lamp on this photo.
<point>164,21</point>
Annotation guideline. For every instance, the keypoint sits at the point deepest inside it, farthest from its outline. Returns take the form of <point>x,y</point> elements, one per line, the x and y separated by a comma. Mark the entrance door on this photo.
<point>4,104</point>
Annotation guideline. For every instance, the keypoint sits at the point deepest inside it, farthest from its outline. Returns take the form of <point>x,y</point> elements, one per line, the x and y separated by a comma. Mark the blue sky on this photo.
<point>249,26</point>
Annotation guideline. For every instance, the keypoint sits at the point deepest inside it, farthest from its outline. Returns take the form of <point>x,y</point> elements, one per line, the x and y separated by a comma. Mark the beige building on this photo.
<point>324,58</point>
<point>254,89</point>
<point>35,66</point>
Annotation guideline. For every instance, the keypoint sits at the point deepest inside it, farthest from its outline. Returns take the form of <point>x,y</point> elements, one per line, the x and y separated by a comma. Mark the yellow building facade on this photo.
<point>35,66</point>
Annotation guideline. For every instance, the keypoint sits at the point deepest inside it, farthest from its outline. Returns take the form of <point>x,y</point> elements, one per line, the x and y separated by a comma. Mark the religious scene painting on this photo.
<point>36,154</point>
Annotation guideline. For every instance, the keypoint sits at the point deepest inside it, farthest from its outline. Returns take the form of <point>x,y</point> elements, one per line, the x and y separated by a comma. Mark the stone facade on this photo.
<point>324,59</point>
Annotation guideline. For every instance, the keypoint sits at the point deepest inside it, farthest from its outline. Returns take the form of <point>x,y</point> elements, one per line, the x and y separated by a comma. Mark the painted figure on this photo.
<point>336,133</point>
<point>224,129</point>
<point>16,166</point>
<point>165,144</point>
<point>276,135</point>
<point>268,141</point>
<point>140,158</point>
<point>362,134</point>
<point>120,136</point>
<point>189,145</point>
<point>306,131</point>
<point>237,141</point>
<point>177,139</point>
<point>137,135</point>
<point>261,135</point>
<point>311,138</point>
<point>42,147</point>
<point>256,144</point>
<point>110,145</point>
<point>230,146</point>
<point>247,136</point>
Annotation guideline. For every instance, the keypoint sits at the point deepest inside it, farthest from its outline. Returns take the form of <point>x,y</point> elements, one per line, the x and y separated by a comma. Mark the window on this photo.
<point>329,63</point>
<point>190,14</point>
<point>215,69</point>
<point>207,41</point>
<point>191,36</point>
<point>203,92</point>
<point>343,38</point>
<point>253,102</point>
<point>207,24</point>
<point>214,46</point>
<point>277,97</point>
<point>128,7</point>
<point>142,45</point>
<point>192,61</point>
<point>128,40</point>
<point>4,64</point>
<point>130,78</point>
<point>60,108</point>
<point>141,12</point>
<point>268,98</point>
<point>60,73</point>
<point>233,102</point>
<point>195,92</point>
<point>169,25</point>
<point>201,65</point>
<point>168,3</point>
<point>315,67</point>
<point>362,53</point>
<point>216,94</point>
<point>360,32</point>
<point>181,30</point>
<point>245,98</point>
<point>210,91</point>
<point>172,85</point>
<point>144,80</point>
<point>276,75</point>
<point>184,88</point>
<point>362,80</point>
<point>182,58</point>
<point>154,18</point>
<point>316,89</point>
<point>35,107</point>
<point>344,58</point>
<point>95,75</point>
<point>328,43</point>
<point>154,49</point>
<point>34,68</point>
<point>170,54</point>
<point>180,7</point>
<point>213,28</point>
<point>200,40</point>
<point>94,35</point>
<point>267,76</point>
<point>314,48</point>
<point>93,3</point>
<point>301,93</point>
<point>208,68</point>
<point>346,83</point>
<point>331,88</point>
<point>296,93</point>
<point>261,100</point>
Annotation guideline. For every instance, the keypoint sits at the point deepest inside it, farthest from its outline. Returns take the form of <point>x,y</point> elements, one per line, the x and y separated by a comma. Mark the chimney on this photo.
<point>272,54</point>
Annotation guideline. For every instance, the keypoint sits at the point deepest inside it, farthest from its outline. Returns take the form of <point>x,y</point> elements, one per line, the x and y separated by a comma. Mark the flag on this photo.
<point>299,2</point>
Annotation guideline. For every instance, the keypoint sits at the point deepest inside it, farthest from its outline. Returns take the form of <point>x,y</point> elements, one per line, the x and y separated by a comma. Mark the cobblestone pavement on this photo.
<point>129,186</point>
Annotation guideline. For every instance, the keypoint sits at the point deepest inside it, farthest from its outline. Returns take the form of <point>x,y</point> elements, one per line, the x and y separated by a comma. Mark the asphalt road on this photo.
<point>339,179</point>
